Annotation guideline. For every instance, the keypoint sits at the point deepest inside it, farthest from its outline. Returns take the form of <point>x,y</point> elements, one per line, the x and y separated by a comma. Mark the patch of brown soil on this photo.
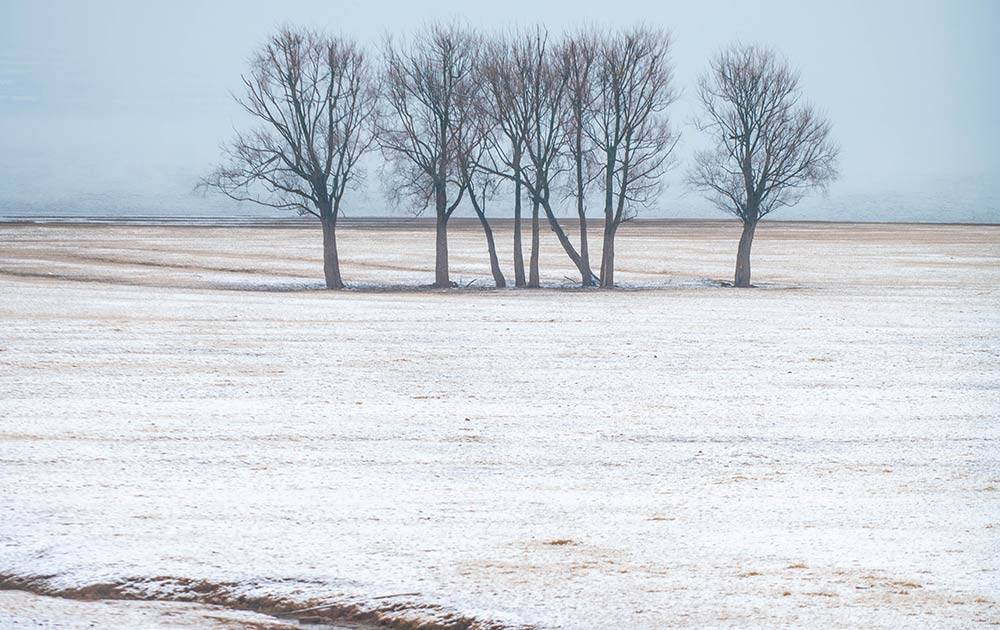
<point>401,614</point>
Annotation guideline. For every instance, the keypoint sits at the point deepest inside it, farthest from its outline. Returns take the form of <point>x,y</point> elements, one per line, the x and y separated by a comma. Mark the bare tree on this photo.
<point>504,109</point>
<point>528,90</point>
<point>316,104</point>
<point>483,187</point>
<point>769,148</point>
<point>577,57</point>
<point>505,136</point>
<point>482,184</point>
<point>630,127</point>
<point>428,89</point>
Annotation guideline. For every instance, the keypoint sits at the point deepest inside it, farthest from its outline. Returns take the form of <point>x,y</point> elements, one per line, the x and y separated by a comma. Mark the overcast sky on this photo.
<point>118,106</point>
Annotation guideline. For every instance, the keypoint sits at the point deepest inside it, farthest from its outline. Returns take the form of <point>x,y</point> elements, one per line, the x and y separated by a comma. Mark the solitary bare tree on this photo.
<point>769,148</point>
<point>428,89</point>
<point>315,101</point>
<point>630,127</point>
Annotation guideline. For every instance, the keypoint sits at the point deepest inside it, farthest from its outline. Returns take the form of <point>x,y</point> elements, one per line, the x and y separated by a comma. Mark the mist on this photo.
<point>117,107</point>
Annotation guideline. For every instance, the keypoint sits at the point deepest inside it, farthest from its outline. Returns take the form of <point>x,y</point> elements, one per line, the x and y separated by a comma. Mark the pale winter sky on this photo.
<point>118,106</point>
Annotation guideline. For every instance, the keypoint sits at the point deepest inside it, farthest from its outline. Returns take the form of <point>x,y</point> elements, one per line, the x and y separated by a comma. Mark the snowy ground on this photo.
<point>823,451</point>
<point>22,609</point>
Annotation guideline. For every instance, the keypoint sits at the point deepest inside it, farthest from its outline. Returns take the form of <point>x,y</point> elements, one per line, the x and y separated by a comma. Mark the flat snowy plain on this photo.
<point>183,417</point>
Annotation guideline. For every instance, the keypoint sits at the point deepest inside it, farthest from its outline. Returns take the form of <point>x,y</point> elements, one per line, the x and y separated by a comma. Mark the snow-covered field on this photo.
<point>182,417</point>
<point>23,609</point>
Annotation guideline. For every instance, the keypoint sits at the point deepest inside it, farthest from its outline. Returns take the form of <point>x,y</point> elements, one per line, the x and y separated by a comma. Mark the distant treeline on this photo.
<point>458,114</point>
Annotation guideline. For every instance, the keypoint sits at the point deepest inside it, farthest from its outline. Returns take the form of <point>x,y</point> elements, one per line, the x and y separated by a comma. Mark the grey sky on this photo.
<point>118,106</point>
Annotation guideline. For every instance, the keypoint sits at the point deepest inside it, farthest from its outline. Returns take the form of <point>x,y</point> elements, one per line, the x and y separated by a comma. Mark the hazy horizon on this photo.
<point>116,108</point>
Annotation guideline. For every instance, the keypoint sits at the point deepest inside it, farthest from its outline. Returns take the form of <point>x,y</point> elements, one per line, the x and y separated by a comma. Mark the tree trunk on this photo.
<point>518,253</point>
<point>743,255</point>
<point>608,256</point>
<point>608,214</point>
<point>441,277</point>
<point>604,262</point>
<point>498,278</point>
<point>533,281</point>
<point>331,262</point>
<point>585,273</point>
<point>587,279</point>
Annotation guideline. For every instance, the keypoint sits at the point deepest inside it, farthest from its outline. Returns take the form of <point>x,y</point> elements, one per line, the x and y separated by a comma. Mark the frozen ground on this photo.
<point>823,451</point>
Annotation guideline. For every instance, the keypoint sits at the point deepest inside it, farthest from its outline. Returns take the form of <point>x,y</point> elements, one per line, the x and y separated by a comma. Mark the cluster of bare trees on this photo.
<point>458,116</point>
